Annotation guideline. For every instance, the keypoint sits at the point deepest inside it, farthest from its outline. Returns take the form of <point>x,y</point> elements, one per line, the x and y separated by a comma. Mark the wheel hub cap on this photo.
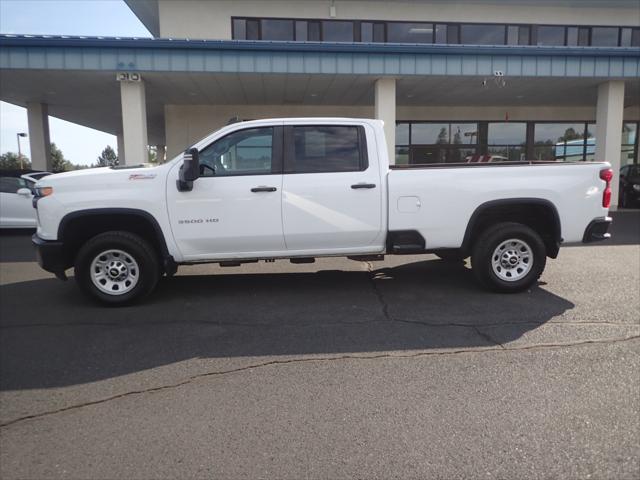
<point>114,272</point>
<point>512,259</point>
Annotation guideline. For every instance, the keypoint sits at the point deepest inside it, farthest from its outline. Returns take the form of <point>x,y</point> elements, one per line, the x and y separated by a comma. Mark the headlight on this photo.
<point>636,187</point>
<point>44,191</point>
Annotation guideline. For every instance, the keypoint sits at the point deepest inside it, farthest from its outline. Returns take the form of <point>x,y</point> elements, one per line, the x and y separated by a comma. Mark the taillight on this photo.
<point>606,174</point>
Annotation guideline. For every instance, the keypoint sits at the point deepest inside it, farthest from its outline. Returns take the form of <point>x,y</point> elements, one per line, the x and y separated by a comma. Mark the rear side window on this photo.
<point>327,148</point>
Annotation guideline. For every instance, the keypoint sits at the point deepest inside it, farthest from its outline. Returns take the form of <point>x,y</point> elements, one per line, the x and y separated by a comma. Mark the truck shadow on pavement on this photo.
<point>51,336</point>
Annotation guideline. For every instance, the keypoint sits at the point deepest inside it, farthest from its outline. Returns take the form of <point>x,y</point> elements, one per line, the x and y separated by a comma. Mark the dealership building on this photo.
<point>454,81</point>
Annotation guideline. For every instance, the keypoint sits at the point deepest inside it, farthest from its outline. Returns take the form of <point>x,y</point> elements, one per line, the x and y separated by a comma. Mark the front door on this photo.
<point>235,208</point>
<point>332,194</point>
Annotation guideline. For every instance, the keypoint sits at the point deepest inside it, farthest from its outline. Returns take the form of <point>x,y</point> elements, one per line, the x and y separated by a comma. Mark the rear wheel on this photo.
<point>508,257</point>
<point>117,268</point>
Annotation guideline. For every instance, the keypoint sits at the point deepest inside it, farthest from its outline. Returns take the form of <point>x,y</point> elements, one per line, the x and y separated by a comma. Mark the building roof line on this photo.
<point>10,40</point>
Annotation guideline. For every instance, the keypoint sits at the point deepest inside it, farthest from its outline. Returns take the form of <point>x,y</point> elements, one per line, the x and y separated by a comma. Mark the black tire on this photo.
<point>148,266</point>
<point>450,255</point>
<point>487,243</point>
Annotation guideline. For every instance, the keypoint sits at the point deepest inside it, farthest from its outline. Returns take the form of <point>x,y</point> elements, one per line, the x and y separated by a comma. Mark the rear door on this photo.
<point>332,189</point>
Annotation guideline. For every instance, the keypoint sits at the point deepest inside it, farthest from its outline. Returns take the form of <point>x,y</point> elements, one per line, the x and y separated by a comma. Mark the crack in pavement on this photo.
<point>219,373</point>
<point>385,310</point>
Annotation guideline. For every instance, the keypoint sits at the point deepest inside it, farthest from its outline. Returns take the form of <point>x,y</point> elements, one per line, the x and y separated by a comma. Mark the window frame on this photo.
<point>455,27</point>
<point>277,138</point>
<point>289,166</point>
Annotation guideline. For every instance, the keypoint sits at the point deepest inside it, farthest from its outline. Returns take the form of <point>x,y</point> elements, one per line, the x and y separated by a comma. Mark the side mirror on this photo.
<point>189,171</point>
<point>25,192</point>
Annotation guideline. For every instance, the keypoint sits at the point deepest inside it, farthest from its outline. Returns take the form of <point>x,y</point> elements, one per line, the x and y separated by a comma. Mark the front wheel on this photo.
<point>508,257</point>
<point>117,268</point>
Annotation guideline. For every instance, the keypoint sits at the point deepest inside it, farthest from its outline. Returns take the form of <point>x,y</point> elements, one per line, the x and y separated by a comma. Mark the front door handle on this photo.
<point>363,185</point>
<point>263,189</point>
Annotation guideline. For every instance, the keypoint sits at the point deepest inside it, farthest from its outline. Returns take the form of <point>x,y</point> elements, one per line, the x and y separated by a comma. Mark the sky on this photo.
<point>80,145</point>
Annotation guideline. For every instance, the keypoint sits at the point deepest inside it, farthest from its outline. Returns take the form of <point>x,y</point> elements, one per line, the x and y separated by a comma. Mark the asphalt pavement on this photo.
<point>339,369</point>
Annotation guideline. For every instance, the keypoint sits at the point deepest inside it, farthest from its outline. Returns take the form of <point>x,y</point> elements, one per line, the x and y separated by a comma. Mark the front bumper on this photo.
<point>51,256</point>
<point>598,229</point>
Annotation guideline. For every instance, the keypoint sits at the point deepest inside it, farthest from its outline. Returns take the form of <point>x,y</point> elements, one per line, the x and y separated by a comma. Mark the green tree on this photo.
<point>107,158</point>
<point>58,162</point>
<point>11,161</point>
<point>570,134</point>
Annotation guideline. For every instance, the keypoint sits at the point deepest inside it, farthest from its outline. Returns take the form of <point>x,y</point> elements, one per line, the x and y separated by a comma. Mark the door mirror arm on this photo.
<point>189,170</point>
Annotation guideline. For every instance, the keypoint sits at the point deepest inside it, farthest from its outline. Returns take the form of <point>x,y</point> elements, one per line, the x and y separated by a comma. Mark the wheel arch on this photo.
<point>77,227</point>
<point>539,214</point>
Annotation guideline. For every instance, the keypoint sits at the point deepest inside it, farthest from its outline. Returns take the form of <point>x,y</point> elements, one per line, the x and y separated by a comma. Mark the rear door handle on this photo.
<point>263,189</point>
<point>363,185</point>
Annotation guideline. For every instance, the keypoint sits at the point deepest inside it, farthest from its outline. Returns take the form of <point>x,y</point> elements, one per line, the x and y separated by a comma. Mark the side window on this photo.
<point>329,148</point>
<point>11,184</point>
<point>245,152</point>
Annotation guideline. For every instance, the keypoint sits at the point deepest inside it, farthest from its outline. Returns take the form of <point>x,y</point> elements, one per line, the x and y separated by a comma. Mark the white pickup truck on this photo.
<point>303,188</point>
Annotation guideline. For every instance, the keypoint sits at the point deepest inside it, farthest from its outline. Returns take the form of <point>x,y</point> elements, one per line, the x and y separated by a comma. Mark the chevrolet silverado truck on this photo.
<point>304,188</point>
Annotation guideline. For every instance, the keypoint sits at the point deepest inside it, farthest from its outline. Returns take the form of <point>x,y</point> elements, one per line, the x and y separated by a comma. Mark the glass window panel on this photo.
<point>583,37</point>
<point>245,152</point>
<point>277,29</point>
<point>517,35</point>
<point>402,134</point>
<point>464,133</point>
<point>604,36</point>
<point>429,133</point>
<point>366,32</point>
<point>409,32</point>
<point>428,154</point>
<point>239,29</point>
<point>440,32</point>
<point>625,37</point>
<point>482,34</point>
<point>550,35</point>
<point>507,134</point>
<point>453,34</point>
<point>301,31</point>
<point>402,155</point>
<point>564,140</point>
<point>326,149</point>
<point>378,32</point>
<point>635,37</point>
<point>253,30</point>
<point>627,156</point>
<point>337,31</point>
<point>314,31</point>
<point>629,133</point>
<point>459,154</point>
<point>524,35</point>
<point>572,36</point>
<point>506,153</point>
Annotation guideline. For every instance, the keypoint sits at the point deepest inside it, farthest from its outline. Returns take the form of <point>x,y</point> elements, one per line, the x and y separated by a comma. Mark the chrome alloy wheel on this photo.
<point>512,260</point>
<point>114,272</point>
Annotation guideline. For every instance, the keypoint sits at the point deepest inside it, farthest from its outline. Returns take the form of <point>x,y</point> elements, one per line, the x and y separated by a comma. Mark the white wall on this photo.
<point>212,19</point>
<point>186,124</point>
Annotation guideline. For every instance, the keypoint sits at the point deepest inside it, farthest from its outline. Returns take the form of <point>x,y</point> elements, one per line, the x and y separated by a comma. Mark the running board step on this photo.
<point>407,249</point>
<point>366,258</point>
<point>302,260</point>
